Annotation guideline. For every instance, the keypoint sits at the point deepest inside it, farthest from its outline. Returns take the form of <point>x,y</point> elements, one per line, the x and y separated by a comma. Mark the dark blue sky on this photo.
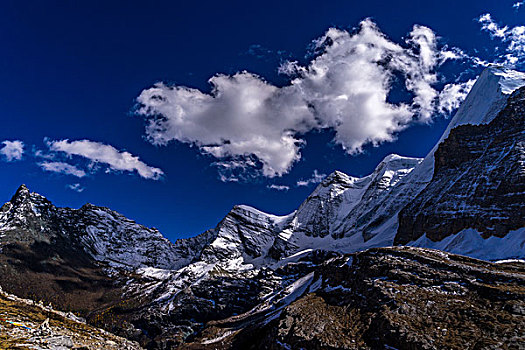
<point>73,69</point>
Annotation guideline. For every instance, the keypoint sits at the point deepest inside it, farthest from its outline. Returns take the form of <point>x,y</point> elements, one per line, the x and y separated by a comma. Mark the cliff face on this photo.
<point>478,182</point>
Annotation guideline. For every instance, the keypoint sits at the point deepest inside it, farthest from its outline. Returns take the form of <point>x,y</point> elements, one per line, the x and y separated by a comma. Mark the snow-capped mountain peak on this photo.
<point>487,97</point>
<point>106,235</point>
<point>341,207</point>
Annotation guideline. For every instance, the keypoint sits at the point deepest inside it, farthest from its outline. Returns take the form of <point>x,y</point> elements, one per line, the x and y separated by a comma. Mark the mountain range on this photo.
<point>389,260</point>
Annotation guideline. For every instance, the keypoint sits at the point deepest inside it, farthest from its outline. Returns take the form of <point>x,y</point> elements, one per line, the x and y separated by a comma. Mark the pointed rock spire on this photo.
<point>21,194</point>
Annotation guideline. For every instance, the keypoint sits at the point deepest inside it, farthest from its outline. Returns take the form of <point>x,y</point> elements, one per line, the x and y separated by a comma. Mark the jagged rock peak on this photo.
<point>336,176</point>
<point>89,206</point>
<point>392,161</point>
<point>24,195</point>
<point>21,193</point>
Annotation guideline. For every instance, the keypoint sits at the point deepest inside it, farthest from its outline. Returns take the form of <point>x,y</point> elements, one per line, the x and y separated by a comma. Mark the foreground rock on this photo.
<point>25,324</point>
<point>403,298</point>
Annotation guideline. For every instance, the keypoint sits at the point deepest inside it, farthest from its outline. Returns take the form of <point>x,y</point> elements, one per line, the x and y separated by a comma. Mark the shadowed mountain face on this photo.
<point>295,281</point>
<point>478,182</point>
<point>40,262</point>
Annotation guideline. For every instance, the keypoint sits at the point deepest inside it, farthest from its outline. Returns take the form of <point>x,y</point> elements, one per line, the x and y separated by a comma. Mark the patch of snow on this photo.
<point>315,286</point>
<point>215,340</point>
<point>470,243</point>
<point>160,274</point>
<point>507,261</point>
<point>337,288</point>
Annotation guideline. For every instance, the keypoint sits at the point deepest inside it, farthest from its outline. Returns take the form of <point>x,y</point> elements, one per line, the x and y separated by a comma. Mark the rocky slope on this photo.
<point>29,325</point>
<point>386,298</point>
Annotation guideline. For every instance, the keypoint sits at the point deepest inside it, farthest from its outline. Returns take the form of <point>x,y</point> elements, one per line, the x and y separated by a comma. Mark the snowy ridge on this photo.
<point>110,237</point>
<point>106,235</point>
<point>341,211</point>
<point>469,242</point>
<point>487,97</point>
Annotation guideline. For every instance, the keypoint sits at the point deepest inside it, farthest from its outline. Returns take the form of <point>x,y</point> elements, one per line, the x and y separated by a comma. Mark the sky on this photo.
<point>172,112</point>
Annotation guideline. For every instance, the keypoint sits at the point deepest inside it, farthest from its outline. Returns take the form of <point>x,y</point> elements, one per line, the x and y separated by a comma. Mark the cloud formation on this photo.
<point>62,168</point>
<point>452,95</point>
<point>12,150</point>
<point>513,37</point>
<point>518,4</point>
<point>344,88</point>
<point>97,153</point>
<point>76,187</point>
<point>314,179</point>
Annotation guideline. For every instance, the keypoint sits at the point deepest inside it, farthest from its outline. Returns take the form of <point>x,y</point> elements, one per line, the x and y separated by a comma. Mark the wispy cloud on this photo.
<point>344,88</point>
<point>62,168</point>
<point>99,153</point>
<point>314,179</point>
<point>76,187</point>
<point>261,52</point>
<point>518,4</point>
<point>513,37</point>
<point>453,94</point>
<point>38,153</point>
<point>278,187</point>
<point>12,150</point>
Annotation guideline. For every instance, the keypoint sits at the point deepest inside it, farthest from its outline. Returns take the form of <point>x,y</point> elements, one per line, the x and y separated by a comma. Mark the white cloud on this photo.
<point>244,116</point>
<point>278,187</point>
<point>236,170</point>
<point>41,154</point>
<point>98,153</point>
<point>315,179</point>
<point>12,150</point>
<point>63,168</point>
<point>518,4</point>
<point>344,88</point>
<point>76,187</point>
<point>453,94</point>
<point>514,38</point>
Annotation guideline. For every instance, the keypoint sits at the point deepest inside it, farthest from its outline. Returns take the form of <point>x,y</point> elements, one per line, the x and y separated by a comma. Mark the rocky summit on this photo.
<point>420,254</point>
